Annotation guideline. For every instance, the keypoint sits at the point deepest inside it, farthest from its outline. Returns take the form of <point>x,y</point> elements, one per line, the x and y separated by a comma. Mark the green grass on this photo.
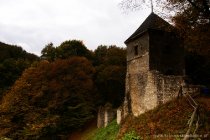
<point>107,133</point>
<point>132,135</point>
<point>169,119</point>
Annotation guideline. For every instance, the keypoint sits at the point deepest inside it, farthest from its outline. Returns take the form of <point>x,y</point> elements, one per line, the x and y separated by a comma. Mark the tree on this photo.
<point>49,99</point>
<point>100,55</point>
<point>110,63</point>
<point>202,6</point>
<point>110,55</point>
<point>13,61</point>
<point>195,29</point>
<point>72,48</point>
<point>193,22</point>
<point>49,52</point>
<point>116,56</point>
<point>110,82</point>
<point>65,50</point>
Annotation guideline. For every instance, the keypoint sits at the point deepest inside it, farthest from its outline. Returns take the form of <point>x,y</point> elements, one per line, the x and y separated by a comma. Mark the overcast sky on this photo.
<point>34,23</point>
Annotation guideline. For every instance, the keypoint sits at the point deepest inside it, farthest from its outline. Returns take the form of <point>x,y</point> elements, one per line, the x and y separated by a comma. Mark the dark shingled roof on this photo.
<point>153,21</point>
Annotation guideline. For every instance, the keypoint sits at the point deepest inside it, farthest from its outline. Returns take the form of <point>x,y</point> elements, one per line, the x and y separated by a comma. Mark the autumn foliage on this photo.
<point>13,61</point>
<point>62,92</point>
<point>49,99</point>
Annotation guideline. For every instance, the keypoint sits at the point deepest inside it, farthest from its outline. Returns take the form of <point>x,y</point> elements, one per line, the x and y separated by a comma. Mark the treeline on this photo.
<point>62,91</point>
<point>109,63</point>
<point>13,61</point>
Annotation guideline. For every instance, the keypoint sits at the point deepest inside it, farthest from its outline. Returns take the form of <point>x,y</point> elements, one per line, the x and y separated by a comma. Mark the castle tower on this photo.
<point>155,65</point>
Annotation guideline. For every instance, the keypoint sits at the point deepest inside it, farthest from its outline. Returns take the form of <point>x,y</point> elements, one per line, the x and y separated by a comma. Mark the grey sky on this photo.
<point>34,23</point>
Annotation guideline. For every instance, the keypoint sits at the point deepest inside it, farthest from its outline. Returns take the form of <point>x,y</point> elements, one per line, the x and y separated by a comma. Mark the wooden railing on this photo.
<point>195,117</point>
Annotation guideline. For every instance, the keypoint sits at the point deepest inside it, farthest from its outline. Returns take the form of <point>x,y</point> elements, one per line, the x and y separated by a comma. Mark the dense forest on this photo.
<point>60,91</point>
<point>13,61</point>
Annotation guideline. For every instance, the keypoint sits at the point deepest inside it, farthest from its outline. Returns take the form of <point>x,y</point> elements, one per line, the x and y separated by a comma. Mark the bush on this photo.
<point>107,133</point>
<point>131,136</point>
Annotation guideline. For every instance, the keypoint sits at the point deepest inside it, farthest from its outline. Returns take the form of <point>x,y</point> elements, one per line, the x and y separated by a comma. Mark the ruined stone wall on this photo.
<point>123,110</point>
<point>106,114</point>
<point>150,89</point>
<point>160,89</point>
<point>136,78</point>
<point>171,87</point>
<point>150,100</point>
<point>100,117</point>
<point>167,87</point>
<point>119,115</point>
<point>109,116</point>
<point>193,90</point>
<point>146,88</point>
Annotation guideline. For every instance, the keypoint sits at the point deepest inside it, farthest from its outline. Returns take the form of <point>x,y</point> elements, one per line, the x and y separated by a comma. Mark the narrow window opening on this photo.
<point>136,50</point>
<point>167,49</point>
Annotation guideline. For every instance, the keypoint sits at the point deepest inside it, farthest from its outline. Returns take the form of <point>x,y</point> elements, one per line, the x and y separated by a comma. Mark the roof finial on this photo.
<point>151,5</point>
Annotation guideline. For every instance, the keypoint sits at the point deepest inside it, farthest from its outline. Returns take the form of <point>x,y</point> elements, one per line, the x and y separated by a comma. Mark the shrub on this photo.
<point>131,136</point>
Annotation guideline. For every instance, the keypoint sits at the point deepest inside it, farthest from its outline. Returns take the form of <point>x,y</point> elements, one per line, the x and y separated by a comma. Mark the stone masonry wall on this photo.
<point>124,109</point>
<point>150,89</point>
<point>142,45</point>
<point>136,83</point>
<point>100,117</point>
<point>105,115</point>
<point>110,115</point>
<point>167,87</point>
<point>146,88</point>
<point>150,99</point>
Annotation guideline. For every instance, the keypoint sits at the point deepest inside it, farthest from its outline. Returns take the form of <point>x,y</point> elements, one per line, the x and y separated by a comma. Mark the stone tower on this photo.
<point>155,65</point>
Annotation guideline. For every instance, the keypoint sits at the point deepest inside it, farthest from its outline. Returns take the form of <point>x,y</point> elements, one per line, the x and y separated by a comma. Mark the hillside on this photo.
<point>166,122</point>
<point>15,52</point>
<point>13,61</point>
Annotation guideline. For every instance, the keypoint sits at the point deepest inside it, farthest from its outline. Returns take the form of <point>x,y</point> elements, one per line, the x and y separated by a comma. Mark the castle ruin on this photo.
<point>155,66</point>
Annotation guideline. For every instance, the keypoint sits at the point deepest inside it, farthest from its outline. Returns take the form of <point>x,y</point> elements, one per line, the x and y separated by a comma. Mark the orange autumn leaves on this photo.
<point>62,89</point>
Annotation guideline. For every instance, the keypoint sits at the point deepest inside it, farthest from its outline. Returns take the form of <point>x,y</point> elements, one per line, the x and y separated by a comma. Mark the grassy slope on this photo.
<point>90,132</point>
<point>108,133</point>
<point>169,119</point>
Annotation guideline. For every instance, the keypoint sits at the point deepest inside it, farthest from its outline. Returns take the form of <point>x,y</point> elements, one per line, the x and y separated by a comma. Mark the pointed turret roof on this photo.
<point>153,21</point>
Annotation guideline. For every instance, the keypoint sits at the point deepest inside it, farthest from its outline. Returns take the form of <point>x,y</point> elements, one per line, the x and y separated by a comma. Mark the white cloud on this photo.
<point>34,23</point>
